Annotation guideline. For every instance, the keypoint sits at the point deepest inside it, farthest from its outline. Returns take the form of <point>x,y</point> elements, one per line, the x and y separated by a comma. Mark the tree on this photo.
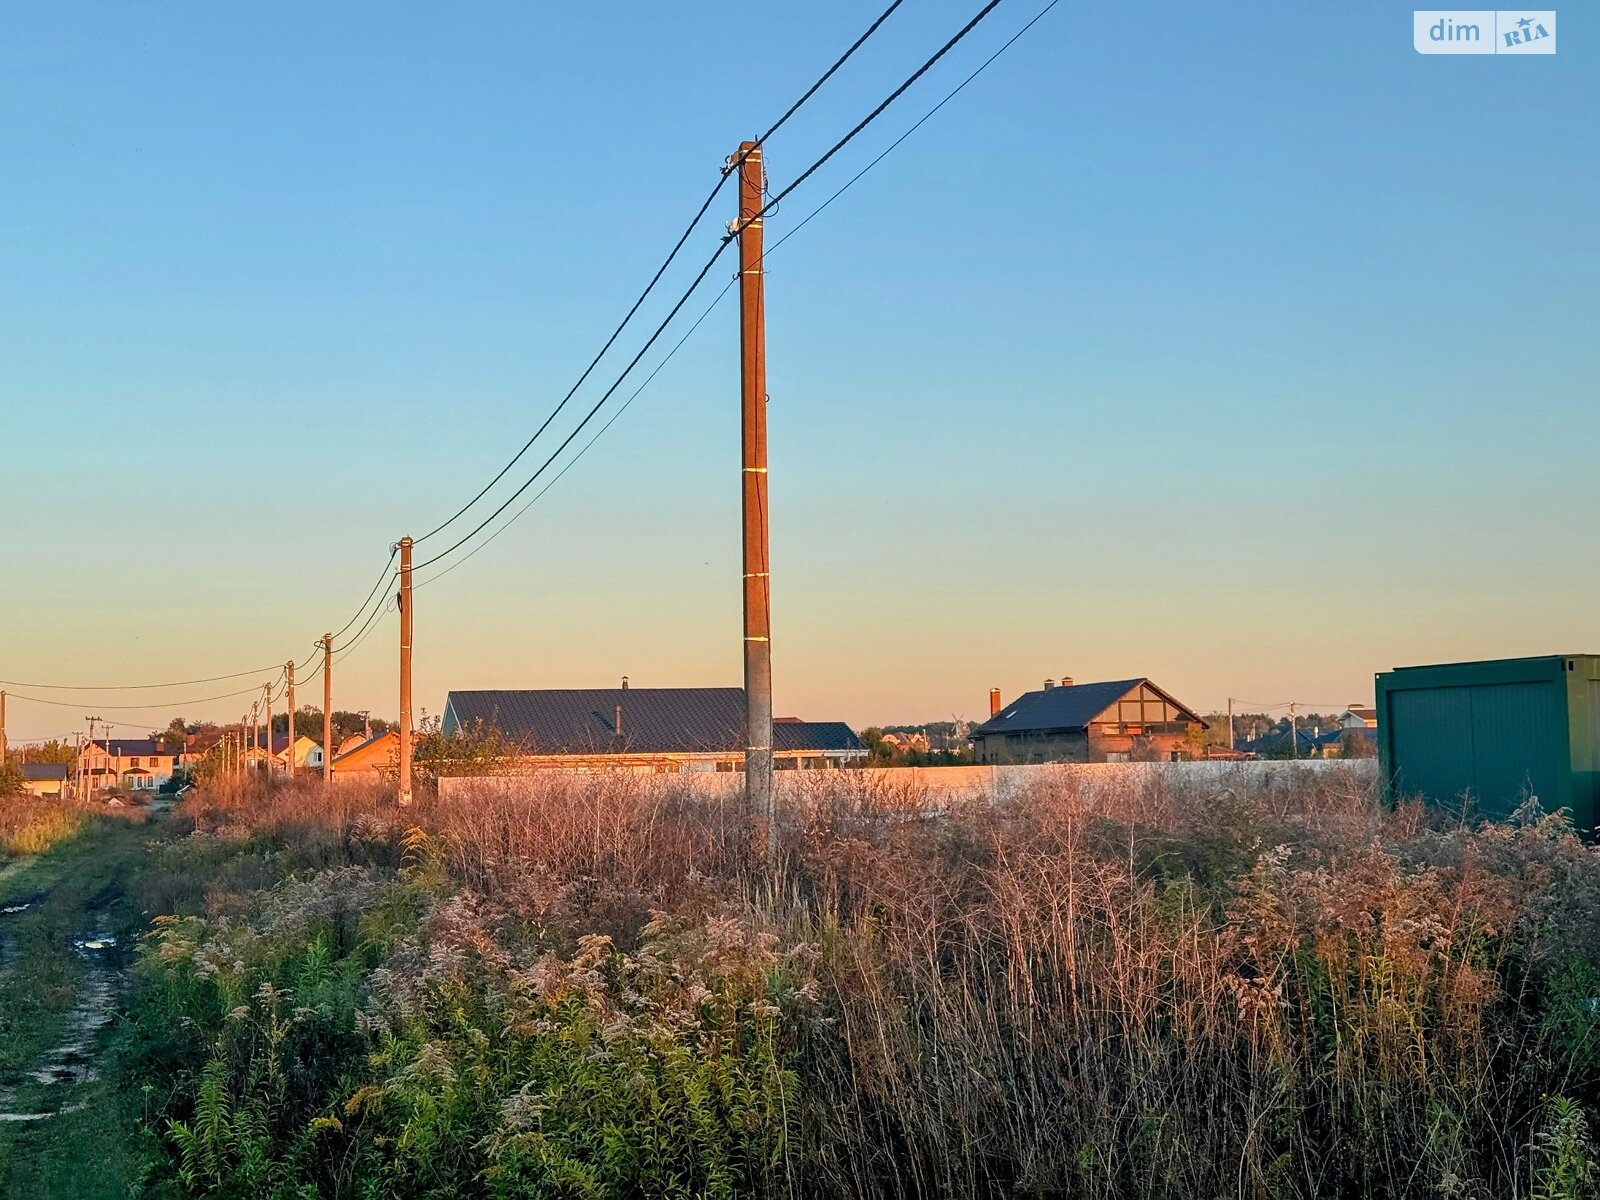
<point>10,778</point>
<point>477,749</point>
<point>53,751</point>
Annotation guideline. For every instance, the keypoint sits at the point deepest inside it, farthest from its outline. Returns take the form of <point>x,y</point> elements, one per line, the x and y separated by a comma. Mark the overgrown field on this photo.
<point>33,824</point>
<point>595,988</point>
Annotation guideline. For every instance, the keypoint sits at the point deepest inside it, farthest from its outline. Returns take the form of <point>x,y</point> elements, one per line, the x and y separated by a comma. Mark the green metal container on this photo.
<point>1496,731</point>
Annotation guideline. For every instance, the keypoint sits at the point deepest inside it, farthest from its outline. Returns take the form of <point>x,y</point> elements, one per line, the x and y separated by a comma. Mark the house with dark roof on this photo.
<point>1118,721</point>
<point>138,764</point>
<point>662,730</point>
<point>43,779</point>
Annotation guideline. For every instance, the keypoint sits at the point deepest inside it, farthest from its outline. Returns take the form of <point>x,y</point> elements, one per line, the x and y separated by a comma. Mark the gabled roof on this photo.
<point>43,772</point>
<point>654,721</point>
<point>1069,708</point>
<point>365,744</point>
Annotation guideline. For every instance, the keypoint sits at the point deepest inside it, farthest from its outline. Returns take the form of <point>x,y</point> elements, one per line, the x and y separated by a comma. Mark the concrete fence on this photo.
<point>993,783</point>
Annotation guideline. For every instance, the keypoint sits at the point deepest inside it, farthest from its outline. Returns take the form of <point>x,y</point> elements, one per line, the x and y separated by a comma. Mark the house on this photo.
<point>1359,716</point>
<point>1308,743</point>
<point>660,730</point>
<point>1117,721</point>
<point>307,753</point>
<point>138,764</point>
<point>368,758</point>
<point>197,745</point>
<point>44,779</point>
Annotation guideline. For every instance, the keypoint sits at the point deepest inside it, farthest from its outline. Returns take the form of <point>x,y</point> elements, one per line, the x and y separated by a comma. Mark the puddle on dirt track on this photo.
<point>71,1062</point>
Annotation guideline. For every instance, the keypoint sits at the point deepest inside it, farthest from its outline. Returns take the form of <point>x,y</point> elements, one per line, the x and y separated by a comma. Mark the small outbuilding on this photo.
<point>1488,735</point>
<point>44,779</point>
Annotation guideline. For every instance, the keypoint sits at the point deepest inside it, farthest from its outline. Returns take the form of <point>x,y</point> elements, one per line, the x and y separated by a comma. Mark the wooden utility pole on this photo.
<point>753,488</point>
<point>266,692</point>
<point>405,670</point>
<point>251,738</point>
<point>289,698</point>
<point>2,729</point>
<point>1232,745</point>
<point>327,707</point>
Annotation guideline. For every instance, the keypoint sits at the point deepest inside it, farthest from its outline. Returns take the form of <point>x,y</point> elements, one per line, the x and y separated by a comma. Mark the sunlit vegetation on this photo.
<point>594,987</point>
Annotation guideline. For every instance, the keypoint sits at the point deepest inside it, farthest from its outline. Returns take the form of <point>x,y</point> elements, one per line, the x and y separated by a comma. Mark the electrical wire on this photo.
<point>164,706</point>
<point>571,462</point>
<point>729,169</point>
<point>133,687</point>
<point>344,652</point>
<point>894,145</point>
<point>874,114</point>
<point>598,404</point>
<point>382,575</point>
<point>693,286</point>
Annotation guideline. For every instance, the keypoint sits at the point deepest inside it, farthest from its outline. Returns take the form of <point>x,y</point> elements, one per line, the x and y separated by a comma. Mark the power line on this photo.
<point>705,206</point>
<point>894,145</point>
<point>382,575</point>
<point>705,270</point>
<point>366,631</point>
<point>877,112</point>
<point>571,462</point>
<point>951,95</point>
<point>609,392</point>
<point>163,706</point>
<point>133,687</point>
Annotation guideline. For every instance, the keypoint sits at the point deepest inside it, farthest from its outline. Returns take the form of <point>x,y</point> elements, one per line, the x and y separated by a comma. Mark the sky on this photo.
<point>1241,347</point>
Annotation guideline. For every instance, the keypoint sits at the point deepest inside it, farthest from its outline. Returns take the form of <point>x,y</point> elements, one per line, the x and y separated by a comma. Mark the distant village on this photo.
<point>675,730</point>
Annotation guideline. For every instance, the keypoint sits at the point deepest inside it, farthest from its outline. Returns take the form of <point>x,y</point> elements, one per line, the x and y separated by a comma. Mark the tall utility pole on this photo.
<point>1232,745</point>
<point>327,707</point>
<point>252,739</point>
<point>266,695</point>
<point>405,670</point>
<point>753,485</point>
<point>2,729</point>
<point>1294,736</point>
<point>288,669</point>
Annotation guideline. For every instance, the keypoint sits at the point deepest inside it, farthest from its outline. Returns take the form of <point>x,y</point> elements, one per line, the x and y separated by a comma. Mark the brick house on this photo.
<point>1119,721</point>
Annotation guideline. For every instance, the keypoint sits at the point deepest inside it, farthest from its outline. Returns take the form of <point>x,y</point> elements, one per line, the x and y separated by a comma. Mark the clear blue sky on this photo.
<point>1239,346</point>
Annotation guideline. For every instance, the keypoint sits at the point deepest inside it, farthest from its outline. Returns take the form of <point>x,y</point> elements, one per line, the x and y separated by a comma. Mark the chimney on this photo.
<point>994,702</point>
<point>624,683</point>
<point>1066,681</point>
<point>1048,684</point>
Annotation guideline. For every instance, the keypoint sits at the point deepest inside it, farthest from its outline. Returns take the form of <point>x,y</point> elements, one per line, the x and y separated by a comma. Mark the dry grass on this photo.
<point>1147,990</point>
<point>33,824</point>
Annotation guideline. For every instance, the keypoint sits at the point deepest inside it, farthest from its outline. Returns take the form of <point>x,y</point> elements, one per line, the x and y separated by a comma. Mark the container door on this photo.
<point>1514,743</point>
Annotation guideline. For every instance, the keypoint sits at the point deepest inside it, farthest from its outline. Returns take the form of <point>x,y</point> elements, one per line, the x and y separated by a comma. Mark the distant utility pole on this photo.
<point>3,750</point>
<point>753,477</point>
<point>289,697</point>
<point>1232,745</point>
<point>266,695</point>
<point>327,707</point>
<point>252,738</point>
<point>405,670</point>
<point>1294,737</point>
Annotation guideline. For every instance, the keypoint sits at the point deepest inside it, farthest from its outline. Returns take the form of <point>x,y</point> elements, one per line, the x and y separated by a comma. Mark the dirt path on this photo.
<point>66,928</point>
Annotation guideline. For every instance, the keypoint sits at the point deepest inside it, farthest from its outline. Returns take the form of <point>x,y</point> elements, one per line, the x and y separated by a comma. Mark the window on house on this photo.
<point>134,761</point>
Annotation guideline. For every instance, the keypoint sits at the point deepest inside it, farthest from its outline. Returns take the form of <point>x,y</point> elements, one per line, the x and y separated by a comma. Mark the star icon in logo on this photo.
<point>1525,22</point>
